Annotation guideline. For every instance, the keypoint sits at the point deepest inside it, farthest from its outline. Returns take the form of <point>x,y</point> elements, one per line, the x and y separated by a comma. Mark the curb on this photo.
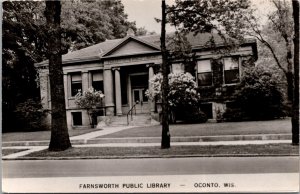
<point>152,156</point>
<point>157,139</point>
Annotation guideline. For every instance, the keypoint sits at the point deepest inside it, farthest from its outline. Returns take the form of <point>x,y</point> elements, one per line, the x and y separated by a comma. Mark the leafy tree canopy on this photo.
<point>83,22</point>
<point>207,16</point>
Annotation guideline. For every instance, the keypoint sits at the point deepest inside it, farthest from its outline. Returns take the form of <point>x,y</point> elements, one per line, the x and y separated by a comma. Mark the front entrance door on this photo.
<point>139,98</point>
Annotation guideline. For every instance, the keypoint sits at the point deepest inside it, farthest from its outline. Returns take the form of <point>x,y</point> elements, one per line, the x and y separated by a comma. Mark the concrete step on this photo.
<point>137,120</point>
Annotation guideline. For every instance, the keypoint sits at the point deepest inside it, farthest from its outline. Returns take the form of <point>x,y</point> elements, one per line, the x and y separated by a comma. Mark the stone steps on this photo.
<point>137,120</point>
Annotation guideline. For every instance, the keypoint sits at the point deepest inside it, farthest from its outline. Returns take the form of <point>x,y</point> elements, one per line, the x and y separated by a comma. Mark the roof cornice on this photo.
<point>127,39</point>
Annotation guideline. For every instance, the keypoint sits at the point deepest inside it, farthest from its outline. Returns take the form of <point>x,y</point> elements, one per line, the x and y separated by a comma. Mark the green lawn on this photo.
<point>39,135</point>
<point>6,152</point>
<point>210,129</point>
<point>268,149</point>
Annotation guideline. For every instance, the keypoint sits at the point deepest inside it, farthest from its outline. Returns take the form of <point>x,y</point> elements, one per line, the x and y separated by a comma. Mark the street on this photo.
<point>149,166</point>
<point>214,174</point>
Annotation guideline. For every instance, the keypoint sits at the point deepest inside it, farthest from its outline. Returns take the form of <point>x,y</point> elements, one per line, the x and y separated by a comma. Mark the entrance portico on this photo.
<point>128,67</point>
<point>129,85</point>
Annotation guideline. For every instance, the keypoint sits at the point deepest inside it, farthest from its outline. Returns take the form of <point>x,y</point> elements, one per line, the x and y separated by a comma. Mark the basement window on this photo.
<point>77,118</point>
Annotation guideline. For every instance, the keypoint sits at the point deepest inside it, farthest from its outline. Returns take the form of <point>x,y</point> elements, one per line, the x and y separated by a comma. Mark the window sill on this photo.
<point>206,86</point>
<point>233,84</point>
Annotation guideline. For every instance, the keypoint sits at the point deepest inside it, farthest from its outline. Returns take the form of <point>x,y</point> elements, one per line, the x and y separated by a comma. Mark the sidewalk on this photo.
<point>32,149</point>
<point>94,139</point>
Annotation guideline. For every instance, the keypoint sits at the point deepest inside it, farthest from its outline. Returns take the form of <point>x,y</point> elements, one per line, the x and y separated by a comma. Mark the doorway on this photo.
<point>139,85</point>
<point>139,97</point>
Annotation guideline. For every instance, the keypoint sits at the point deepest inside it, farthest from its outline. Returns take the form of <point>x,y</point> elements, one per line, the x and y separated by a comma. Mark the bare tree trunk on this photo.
<point>59,132</point>
<point>295,114</point>
<point>165,137</point>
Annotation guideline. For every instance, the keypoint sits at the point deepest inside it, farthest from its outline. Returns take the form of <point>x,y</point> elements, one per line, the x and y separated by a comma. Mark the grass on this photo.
<point>268,149</point>
<point>210,129</point>
<point>39,135</point>
<point>6,152</point>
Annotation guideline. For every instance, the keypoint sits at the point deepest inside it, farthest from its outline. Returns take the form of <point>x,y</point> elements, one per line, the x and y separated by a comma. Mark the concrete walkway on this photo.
<point>105,131</point>
<point>31,149</point>
<point>88,140</point>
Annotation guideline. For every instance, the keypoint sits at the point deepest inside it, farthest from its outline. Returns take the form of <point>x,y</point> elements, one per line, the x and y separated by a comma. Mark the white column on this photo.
<point>85,81</point>
<point>118,91</point>
<point>66,90</point>
<point>44,89</point>
<point>151,102</point>
<point>108,92</point>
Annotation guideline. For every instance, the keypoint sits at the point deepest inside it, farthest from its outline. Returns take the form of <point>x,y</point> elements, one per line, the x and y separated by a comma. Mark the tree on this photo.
<point>238,20</point>
<point>277,31</point>
<point>206,16</point>
<point>19,52</point>
<point>86,23</point>
<point>295,115</point>
<point>165,137</point>
<point>235,20</point>
<point>59,132</point>
<point>83,23</point>
<point>143,31</point>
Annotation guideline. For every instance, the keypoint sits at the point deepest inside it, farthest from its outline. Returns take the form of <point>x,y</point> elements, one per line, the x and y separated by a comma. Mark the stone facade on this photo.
<point>122,68</point>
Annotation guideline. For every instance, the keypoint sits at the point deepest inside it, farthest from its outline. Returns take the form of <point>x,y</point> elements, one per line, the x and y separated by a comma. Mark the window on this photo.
<point>97,81</point>
<point>77,118</point>
<point>204,73</point>
<point>177,68</point>
<point>76,83</point>
<point>231,70</point>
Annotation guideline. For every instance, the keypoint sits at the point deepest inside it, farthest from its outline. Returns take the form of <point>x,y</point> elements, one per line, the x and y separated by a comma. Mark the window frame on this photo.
<point>75,82</point>
<point>238,69</point>
<point>100,80</point>
<point>211,72</point>
<point>178,67</point>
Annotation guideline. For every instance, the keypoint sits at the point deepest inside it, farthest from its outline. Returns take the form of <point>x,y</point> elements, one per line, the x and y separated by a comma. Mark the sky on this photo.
<point>144,12</point>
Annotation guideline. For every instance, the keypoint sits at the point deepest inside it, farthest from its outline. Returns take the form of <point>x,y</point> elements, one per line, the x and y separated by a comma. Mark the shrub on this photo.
<point>182,89</point>
<point>183,97</point>
<point>234,115</point>
<point>29,116</point>
<point>90,100</point>
<point>194,116</point>
<point>259,96</point>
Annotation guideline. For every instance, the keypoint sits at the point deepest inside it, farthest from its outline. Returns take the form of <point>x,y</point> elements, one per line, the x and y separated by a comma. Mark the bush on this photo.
<point>182,89</point>
<point>234,115</point>
<point>259,96</point>
<point>194,116</point>
<point>29,116</point>
<point>90,100</point>
<point>183,97</point>
<point>189,114</point>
